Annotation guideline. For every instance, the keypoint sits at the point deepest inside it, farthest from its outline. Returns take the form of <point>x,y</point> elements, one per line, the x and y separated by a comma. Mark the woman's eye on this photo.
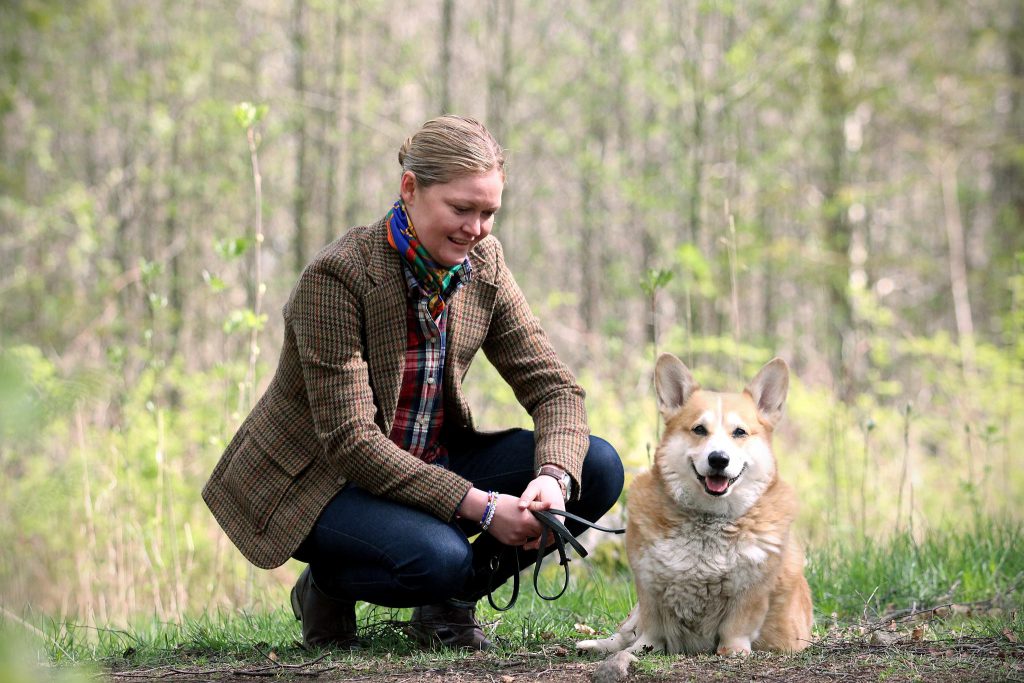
<point>699,430</point>
<point>739,433</point>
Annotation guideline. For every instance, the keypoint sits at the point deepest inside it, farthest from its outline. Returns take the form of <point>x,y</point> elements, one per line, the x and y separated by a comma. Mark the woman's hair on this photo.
<point>450,147</point>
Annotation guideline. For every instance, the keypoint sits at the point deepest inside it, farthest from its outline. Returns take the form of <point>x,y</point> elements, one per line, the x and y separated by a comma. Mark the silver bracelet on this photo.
<point>492,505</point>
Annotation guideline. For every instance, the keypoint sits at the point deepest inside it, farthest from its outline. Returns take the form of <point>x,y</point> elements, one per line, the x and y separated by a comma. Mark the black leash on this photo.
<point>551,525</point>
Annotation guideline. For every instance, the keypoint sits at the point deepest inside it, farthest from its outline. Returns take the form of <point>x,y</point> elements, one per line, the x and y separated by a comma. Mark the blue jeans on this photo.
<point>368,548</point>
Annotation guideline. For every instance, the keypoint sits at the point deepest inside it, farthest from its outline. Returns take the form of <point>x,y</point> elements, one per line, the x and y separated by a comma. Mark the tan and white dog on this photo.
<point>708,534</point>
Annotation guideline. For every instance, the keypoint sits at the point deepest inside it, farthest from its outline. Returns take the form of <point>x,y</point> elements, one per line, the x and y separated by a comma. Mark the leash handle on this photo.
<point>550,524</point>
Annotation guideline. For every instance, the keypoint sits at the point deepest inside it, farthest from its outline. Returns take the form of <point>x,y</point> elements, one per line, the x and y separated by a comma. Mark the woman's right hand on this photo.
<point>513,525</point>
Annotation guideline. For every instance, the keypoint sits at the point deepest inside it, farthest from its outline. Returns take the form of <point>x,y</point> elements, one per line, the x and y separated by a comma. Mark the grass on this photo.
<point>866,578</point>
<point>973,576</point>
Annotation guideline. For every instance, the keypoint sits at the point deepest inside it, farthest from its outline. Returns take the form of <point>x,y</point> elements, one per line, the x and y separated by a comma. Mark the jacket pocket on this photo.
<point>259,481</point>
<point>290,452</point>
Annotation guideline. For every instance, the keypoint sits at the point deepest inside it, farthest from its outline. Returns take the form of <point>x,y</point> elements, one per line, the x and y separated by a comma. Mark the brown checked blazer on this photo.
<point>327,413</point>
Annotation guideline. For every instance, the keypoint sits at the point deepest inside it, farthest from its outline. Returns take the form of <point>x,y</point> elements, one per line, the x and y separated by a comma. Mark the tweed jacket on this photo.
<point>325,417</point>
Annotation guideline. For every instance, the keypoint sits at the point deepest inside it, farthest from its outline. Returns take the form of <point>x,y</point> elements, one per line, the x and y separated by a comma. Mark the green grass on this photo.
<point>856,583</point>
<point>982,562</point>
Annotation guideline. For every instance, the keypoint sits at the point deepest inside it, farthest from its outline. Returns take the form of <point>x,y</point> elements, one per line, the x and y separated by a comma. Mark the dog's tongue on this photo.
<point>716,484</point>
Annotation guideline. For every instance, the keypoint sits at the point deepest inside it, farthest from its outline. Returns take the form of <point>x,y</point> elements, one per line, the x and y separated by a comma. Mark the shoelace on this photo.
<point>551,525</point>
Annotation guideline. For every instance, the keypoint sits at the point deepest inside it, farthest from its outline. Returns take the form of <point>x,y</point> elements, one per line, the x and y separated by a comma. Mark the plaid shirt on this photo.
<point>420,411</point>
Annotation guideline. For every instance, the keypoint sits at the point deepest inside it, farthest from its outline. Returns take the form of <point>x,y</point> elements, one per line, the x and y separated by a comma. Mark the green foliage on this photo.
<point>654,280</point>
<point>32,394</point>
<point>944,567</point>
<point>232,248</point>
<point>695,270</point>
<point>248,114</point>
<point>244,320</point>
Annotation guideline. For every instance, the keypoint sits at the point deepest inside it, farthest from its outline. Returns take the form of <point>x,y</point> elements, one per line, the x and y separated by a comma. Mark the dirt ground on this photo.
<point>965,659</point>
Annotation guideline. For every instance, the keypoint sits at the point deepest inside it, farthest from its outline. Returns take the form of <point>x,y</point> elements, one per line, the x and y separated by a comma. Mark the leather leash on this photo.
<point>551,525</point>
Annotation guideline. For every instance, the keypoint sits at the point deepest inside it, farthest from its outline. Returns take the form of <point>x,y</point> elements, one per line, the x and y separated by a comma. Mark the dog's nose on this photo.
<point>718,460</point>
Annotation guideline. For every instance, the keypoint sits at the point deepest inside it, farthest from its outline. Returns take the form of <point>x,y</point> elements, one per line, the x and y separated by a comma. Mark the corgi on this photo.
<point>708,536</point>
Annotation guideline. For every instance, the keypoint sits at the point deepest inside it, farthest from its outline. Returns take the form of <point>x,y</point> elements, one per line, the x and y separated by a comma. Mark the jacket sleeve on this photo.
<point>520,350</point>
<point>330,334</point>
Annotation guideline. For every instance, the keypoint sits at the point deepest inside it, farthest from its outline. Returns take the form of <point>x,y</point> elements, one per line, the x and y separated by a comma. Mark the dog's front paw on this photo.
<point>733,650</point>
<point>600,645</point>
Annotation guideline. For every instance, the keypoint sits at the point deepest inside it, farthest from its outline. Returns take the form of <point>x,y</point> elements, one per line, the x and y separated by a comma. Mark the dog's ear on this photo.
<point>673,383</point>
<point>769,389</point>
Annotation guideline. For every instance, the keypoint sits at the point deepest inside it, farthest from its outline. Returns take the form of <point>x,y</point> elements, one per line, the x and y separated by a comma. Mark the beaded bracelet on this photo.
<point>492,505</point>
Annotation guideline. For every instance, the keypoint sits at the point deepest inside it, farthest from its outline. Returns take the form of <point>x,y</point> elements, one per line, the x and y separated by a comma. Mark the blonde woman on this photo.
<point>361,459</point>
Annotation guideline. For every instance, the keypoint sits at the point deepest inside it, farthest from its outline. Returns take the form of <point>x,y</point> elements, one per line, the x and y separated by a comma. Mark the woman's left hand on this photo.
<point>543,493</point>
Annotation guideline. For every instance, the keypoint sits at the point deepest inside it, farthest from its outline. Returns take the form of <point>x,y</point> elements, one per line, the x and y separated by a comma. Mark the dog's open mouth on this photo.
<point>716,485</point>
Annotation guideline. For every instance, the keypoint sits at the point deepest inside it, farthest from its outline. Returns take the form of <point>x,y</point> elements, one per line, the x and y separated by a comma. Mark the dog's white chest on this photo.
<point>693,574</point>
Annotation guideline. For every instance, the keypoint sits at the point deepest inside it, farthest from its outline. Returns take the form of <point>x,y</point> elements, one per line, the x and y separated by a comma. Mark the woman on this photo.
<point>361,458</point>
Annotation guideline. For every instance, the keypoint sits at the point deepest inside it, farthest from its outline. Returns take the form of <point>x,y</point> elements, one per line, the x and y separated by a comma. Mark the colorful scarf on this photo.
<point>433,278</point>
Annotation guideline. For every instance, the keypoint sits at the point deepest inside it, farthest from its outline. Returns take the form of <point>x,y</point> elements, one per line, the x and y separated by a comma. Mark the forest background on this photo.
<point>840,183</point>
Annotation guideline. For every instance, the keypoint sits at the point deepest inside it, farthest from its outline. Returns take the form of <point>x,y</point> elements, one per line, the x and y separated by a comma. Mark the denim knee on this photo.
<point>437,567</point>
<point>603,475</point>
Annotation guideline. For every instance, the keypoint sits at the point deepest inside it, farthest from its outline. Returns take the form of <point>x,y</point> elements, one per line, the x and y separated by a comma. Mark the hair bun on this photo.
<point>403,150</point>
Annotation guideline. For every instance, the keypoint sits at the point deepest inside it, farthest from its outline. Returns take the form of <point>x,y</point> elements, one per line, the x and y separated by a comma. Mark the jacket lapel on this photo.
<point>385,309</point>
<point>469,314</point>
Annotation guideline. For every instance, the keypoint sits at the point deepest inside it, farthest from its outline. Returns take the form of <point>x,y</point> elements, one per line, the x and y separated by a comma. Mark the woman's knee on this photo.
<point>437,566</point>
<point>603,475</point>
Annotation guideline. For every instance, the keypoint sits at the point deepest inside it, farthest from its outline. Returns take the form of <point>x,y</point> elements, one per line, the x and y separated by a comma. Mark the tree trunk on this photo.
<point>501,16</point>
<point>334,123</point>
<point>839,323</point>
<point>957,262</point>
<point>300,192</point>
<point>447,18</point>
<point>354,138</point>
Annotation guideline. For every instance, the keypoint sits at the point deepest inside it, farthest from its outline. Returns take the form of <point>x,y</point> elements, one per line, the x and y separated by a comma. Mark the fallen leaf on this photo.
<point>547,635</point>
<point>583,628</point>
<point>272,656</point>
<point>883,638</point>
<point>560,651</point>
<point>917,634</point>
<point>1010,635</point>
<point>507,679</point>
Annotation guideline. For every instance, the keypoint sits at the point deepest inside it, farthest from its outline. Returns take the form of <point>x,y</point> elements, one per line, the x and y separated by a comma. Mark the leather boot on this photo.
<point>447,625</point>
<point>326,622</point>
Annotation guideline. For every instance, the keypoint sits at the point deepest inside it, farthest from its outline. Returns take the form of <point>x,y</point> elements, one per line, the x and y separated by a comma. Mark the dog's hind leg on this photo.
<point>623,637</point>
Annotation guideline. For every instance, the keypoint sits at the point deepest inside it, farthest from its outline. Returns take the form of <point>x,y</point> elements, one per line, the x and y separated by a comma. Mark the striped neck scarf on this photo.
<point>434,279</point>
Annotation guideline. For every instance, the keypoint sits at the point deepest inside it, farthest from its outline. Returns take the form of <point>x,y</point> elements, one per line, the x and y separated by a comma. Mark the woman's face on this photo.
<point>450,218</point>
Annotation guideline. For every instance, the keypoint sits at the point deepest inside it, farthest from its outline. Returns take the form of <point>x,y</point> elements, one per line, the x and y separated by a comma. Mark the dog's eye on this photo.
<point>699,430</point>
<point>739,433</point>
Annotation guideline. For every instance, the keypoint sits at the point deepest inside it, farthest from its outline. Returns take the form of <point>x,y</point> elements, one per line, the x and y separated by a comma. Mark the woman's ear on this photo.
<point>408,188</point>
